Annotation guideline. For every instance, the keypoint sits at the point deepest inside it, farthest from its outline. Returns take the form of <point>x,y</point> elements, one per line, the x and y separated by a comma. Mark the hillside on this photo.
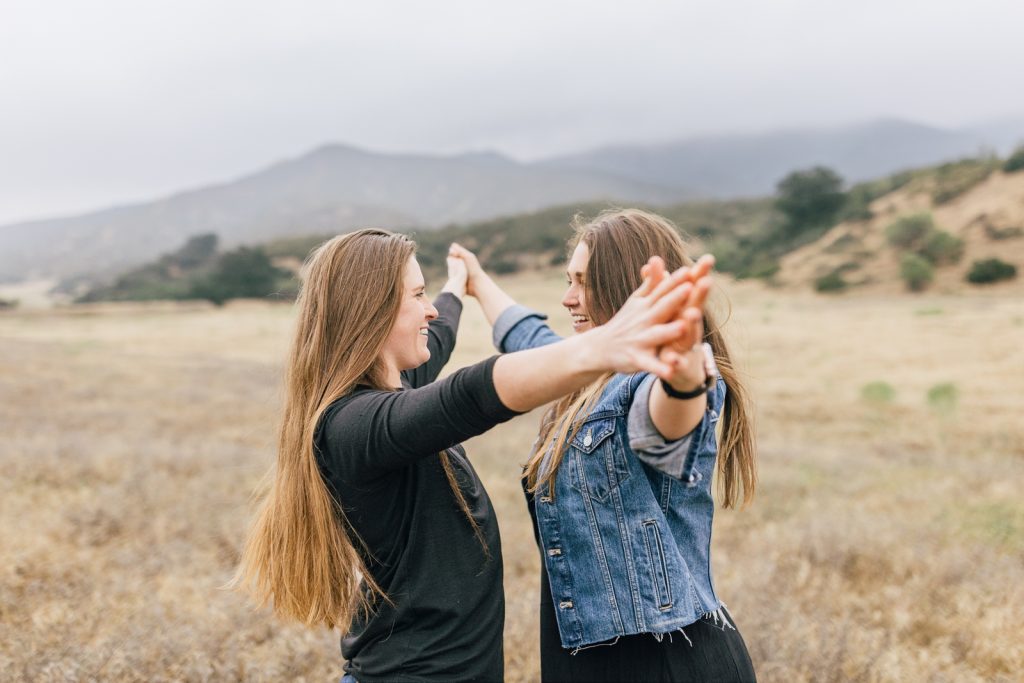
<point>970,210</point>
<point>988,217</point>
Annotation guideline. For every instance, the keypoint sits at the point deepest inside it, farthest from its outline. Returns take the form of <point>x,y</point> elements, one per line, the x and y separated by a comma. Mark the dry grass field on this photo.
<point>886,542</point>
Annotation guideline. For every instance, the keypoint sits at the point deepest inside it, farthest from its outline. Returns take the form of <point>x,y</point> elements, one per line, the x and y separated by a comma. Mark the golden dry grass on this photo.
<point>886,543</point>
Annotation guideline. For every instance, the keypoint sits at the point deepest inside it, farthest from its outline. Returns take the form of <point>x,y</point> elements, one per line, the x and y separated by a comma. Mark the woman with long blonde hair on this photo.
<point>375,522</point>
<point>618,481</point>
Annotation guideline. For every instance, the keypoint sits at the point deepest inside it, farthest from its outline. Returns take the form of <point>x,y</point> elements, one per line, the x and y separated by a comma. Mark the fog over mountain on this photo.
<point>749,165</point>
<point>337,187</point>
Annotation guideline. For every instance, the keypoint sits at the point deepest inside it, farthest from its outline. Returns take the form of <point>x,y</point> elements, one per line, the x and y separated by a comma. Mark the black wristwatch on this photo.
<point>709,382</point>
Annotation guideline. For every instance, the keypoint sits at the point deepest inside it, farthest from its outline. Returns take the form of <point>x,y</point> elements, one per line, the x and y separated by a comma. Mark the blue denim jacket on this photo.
<point>625,539</point>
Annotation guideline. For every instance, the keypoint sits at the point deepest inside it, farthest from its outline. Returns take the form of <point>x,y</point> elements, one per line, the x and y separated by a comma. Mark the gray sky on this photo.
<point>111,101</point>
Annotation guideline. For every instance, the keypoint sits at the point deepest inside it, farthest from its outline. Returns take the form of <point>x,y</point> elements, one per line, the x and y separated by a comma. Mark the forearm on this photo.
<point>455,286</point>
<point>493,299</point>
<point>527,379</point>
<point>674,418</point>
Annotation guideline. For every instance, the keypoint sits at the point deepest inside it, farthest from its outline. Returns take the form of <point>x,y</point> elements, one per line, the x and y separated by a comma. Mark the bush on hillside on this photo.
<point>916,272</point>
<point>910,232</point>
<point>1015,162</point>
<point>991,270</point>
<point>940,247</point>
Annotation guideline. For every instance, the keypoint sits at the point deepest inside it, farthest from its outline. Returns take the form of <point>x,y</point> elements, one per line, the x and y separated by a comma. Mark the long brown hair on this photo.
<point>620,243</point>
<point>300,552</point>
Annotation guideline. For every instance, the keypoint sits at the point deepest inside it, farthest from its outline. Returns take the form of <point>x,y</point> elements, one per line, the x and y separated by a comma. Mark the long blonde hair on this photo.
<point>300,552</point>
<point>620,243</point>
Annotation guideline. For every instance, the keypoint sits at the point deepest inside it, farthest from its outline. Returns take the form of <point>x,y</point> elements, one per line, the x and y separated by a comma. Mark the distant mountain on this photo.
<point>751,165</point>
<point>337,188</point>
<point>331,189</point>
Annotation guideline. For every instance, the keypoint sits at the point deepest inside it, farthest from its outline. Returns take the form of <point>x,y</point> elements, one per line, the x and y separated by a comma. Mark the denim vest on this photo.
<point>626,545</point>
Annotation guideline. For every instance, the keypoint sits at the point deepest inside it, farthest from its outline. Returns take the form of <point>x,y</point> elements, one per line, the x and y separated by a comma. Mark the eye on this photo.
<point>420,295</point>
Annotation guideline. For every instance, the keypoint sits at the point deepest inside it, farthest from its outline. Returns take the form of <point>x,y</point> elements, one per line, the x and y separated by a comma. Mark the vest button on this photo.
<point>555,551</point>
<point>565,604</point>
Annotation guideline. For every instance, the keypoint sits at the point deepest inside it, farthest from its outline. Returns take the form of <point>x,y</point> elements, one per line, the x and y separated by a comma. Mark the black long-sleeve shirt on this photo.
<point>378,451</point>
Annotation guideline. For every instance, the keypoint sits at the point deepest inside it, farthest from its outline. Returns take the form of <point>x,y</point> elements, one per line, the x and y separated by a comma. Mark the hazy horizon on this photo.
<point>118,103</point>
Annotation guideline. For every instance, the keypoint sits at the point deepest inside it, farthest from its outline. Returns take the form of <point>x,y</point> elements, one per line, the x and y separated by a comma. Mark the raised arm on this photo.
<point>493,299</point>
<point>442,331</point>
<point>651,318</point>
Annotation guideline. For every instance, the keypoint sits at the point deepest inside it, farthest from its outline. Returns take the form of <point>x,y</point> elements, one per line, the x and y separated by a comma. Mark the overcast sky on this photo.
<point>107,102</point>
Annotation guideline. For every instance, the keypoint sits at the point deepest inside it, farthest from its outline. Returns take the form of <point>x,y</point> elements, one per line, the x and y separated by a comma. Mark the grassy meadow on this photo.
<point>886,542</point>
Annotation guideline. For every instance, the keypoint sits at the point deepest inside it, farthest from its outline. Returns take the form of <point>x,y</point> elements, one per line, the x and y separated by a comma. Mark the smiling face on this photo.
<point>575,297</point>
<point>406,345</point>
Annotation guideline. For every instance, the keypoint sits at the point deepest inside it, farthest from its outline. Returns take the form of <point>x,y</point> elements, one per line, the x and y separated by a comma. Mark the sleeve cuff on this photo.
<point>508,319</point>
<point>645,440</point>
<point>447,300</point>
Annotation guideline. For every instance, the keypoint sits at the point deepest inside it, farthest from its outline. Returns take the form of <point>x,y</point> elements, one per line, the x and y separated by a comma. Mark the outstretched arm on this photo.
<point>650,319</point>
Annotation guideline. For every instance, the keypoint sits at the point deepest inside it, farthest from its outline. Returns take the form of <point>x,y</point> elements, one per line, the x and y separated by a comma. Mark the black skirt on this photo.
<point>710,650</point>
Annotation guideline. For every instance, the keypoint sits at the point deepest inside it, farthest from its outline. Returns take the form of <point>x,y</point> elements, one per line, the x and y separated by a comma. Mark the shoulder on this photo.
<point>346,414</point>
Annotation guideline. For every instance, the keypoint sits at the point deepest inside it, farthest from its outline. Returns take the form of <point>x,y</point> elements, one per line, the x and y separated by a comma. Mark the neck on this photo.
<point>393,376</point>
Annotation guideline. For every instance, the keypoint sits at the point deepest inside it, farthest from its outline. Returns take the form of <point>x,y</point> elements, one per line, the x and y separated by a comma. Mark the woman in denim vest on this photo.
<point>619,480</point>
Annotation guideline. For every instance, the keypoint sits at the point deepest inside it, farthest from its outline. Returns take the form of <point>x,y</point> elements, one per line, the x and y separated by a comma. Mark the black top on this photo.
<point>378,451</point>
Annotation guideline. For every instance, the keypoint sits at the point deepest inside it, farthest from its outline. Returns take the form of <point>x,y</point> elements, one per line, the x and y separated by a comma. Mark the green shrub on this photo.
<point>991,270</point>
<point>943,397</point>
<point>910,232</point>
<point>1015,162</point>
<point>941,247</point>
<point>916,272</point>
<point>833,282</point>
<point>877,392</point>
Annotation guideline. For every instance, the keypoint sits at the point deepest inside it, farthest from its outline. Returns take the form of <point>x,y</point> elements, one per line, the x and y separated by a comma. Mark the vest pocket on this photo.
<point>656,561</point>
<point>597,465</point>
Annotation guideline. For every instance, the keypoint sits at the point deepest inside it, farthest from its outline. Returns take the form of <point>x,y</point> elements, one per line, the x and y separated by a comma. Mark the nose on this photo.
<point>571,297</point>
<point>430,312</point>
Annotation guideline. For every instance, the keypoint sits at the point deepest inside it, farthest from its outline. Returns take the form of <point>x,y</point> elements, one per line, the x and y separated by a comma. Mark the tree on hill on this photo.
<point>809,199</point>
<point>242,273</point>
<point>198,250</point>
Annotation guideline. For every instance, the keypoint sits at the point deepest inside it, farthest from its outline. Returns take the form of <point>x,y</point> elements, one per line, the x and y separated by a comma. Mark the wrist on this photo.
<point>685,393</point>
<point>456,287</point>
<point>591,352</point>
